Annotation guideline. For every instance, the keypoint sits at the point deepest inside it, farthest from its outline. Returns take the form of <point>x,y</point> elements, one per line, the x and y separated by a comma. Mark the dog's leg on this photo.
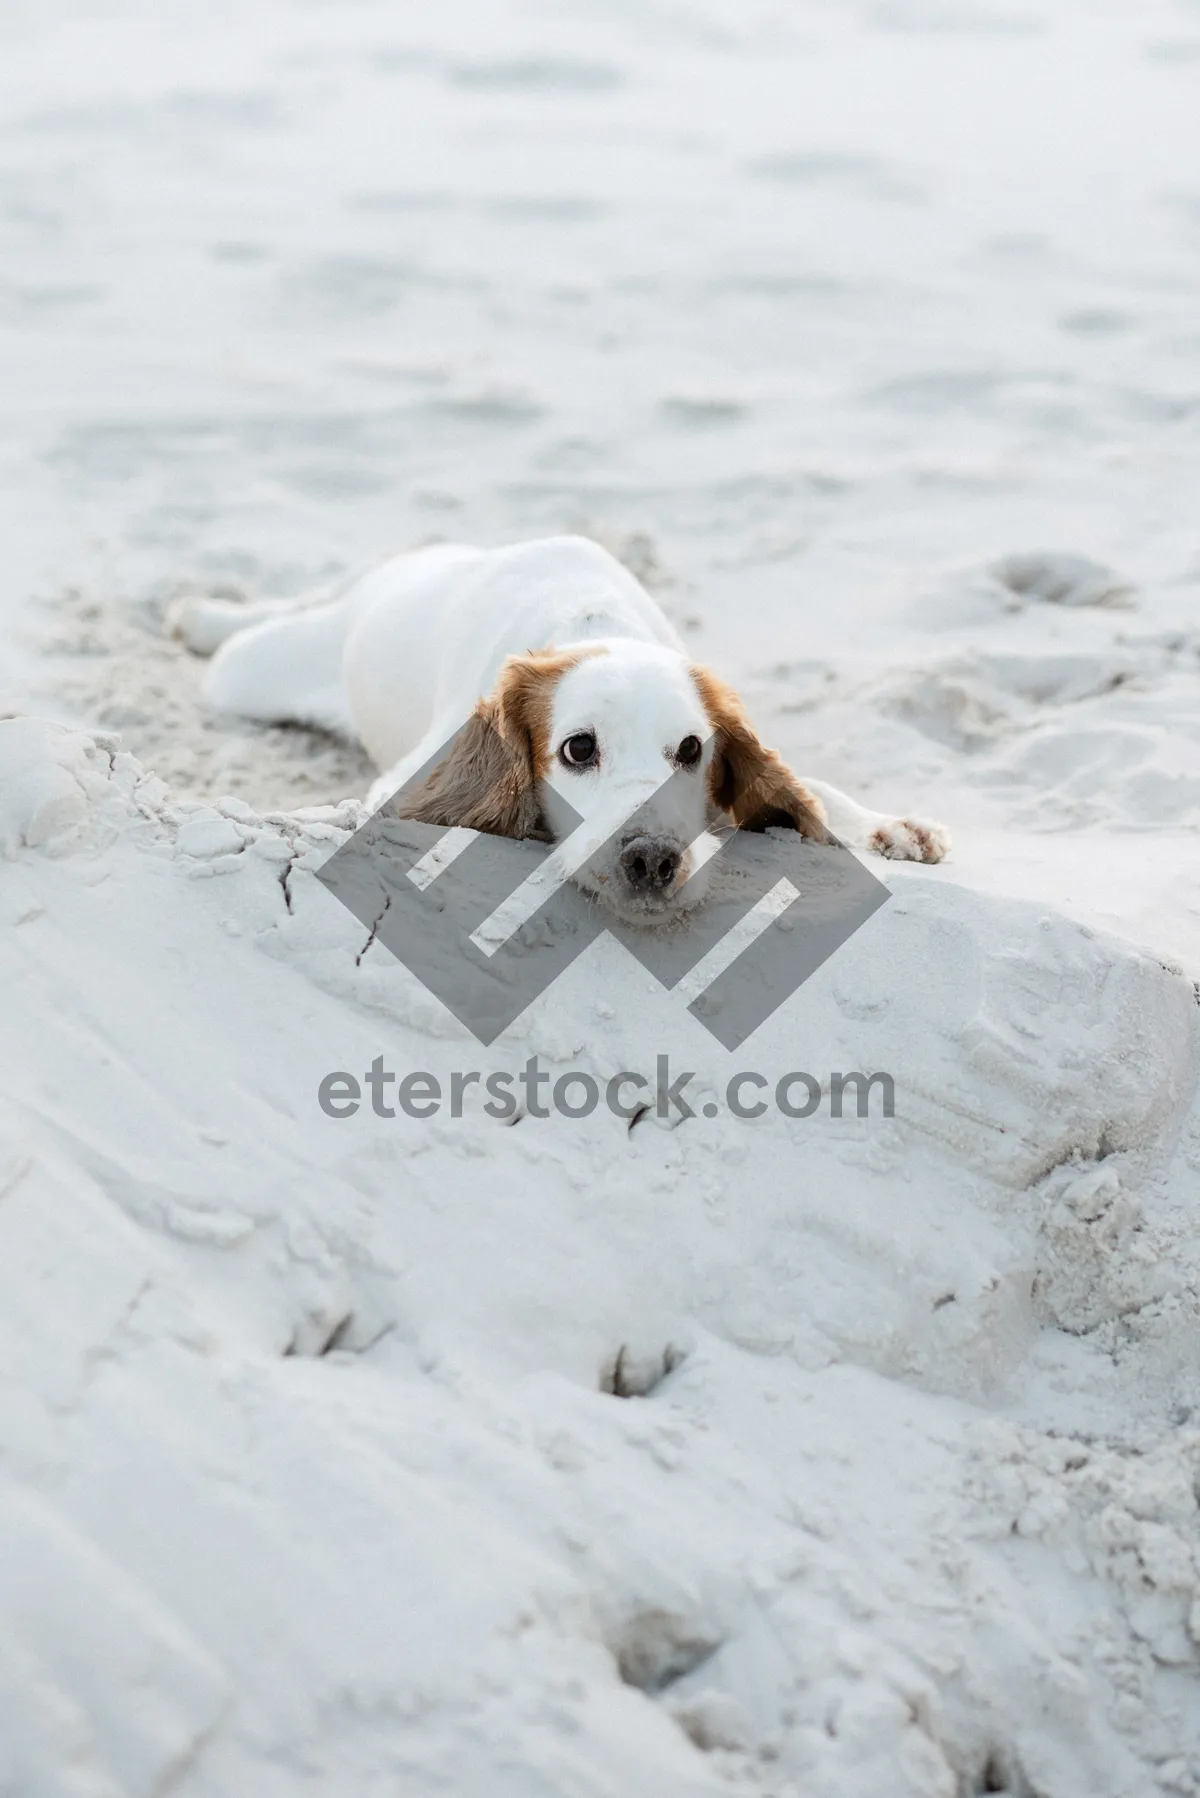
<point>286,669</point>
<point>901,839</point>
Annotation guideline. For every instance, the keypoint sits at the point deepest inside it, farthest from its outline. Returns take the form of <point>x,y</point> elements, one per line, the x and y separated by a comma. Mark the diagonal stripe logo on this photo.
<point>488,924</point>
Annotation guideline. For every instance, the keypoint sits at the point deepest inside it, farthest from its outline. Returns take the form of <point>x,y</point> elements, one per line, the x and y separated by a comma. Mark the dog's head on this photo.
<point>632,752</point>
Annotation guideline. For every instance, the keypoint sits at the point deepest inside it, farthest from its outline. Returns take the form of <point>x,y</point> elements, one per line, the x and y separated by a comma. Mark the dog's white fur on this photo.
<point>540,643</point>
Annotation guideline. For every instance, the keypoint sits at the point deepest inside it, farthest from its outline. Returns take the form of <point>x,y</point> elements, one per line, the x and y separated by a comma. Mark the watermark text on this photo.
<point>534,1092</point>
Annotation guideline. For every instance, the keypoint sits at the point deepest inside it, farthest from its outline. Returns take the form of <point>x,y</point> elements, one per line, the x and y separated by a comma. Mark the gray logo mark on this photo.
<point>479,921</point>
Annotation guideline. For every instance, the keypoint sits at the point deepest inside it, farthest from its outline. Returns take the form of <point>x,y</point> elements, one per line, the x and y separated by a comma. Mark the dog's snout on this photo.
<point>650,864</point>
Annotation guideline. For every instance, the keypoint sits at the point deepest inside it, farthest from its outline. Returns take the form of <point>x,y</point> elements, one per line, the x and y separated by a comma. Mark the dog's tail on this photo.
<point>204,624</point>
<point>278,661</point>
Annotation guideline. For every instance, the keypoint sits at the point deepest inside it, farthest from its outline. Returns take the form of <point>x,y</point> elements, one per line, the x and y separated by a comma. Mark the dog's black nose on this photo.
<point>650,864</point>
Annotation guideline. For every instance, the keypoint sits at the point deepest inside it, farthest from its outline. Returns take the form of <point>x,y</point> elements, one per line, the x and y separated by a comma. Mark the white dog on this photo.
<point>572,686</point>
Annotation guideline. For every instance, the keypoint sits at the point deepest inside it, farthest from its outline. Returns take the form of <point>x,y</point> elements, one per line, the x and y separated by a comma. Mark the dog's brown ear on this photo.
<point>489,780</point>
<point>747,780</point>
<point>482,784</point>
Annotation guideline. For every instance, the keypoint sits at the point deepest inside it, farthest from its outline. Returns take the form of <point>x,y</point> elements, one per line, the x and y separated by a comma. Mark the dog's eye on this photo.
<point>579,751</point>
<point>689,752</point>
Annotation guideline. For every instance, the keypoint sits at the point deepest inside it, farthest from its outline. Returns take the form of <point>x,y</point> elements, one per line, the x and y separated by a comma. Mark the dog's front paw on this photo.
<point>910,840</point>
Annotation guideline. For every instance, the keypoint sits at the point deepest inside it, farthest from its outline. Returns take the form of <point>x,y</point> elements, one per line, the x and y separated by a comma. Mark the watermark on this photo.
<point>534,1092</point>
<point>465,913</point>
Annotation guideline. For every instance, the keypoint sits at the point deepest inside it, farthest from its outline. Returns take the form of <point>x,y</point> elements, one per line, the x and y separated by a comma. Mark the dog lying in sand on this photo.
<point>601,714</point>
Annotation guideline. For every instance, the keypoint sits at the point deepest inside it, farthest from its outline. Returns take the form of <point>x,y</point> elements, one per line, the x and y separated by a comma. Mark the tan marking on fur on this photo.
<point>747,780</point>
<point>490,778</point>
<point>524,697</point>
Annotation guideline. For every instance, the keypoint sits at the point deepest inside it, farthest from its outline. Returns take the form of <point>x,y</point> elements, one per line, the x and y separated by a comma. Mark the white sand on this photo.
<point>868,334</point>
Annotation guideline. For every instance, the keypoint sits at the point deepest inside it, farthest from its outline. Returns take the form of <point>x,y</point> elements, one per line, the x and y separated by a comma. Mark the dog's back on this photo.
<point>430,631</point>
<point>416,640</point>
